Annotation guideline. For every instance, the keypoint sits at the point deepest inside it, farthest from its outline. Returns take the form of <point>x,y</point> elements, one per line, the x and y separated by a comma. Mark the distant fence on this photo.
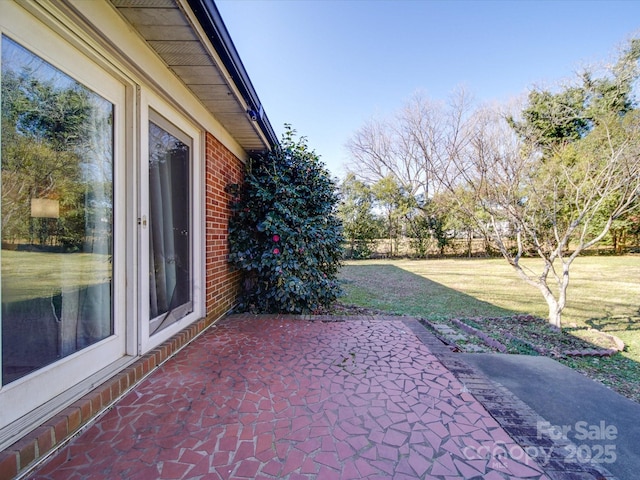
<point>459,247</point>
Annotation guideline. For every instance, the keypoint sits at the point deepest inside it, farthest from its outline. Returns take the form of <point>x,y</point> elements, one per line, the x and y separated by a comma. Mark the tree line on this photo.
<point>549,177</point>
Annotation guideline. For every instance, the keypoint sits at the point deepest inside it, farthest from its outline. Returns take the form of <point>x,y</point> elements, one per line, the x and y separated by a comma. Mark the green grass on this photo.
<point>29,275</point>
<point>604,294</point>
<point>405,287</point>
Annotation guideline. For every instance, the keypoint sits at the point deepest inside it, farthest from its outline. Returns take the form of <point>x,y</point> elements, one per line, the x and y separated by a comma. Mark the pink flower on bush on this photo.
<point>276,238</point>
<point>276,251</point>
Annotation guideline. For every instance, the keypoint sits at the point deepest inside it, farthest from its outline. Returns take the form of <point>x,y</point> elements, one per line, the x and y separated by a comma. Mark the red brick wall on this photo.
<point>222,283</point>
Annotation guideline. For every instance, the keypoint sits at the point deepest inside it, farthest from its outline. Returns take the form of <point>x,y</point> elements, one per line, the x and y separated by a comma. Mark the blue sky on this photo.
<point>328,66</point>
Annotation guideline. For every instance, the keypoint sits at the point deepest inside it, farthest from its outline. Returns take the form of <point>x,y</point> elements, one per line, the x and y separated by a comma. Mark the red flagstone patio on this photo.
<point>276,397</point>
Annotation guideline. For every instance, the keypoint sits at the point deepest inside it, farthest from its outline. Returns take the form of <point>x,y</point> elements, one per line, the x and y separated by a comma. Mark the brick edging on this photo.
<point>516,417</point>
<point>22,456</point>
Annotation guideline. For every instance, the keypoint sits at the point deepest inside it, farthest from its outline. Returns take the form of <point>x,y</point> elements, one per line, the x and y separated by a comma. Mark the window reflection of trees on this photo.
<point>57,144</point>
<point>57,199</point>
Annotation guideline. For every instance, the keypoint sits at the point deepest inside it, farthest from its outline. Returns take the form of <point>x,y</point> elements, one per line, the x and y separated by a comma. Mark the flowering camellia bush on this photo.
<point>284,232</point>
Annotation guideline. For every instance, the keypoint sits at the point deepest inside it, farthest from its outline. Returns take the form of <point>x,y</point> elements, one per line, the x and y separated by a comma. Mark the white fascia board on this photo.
<point>129,49</point>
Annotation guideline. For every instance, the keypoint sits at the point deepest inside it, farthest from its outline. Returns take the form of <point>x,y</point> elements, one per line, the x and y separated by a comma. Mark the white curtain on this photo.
<point>169,243</point>
<point>56,283</point>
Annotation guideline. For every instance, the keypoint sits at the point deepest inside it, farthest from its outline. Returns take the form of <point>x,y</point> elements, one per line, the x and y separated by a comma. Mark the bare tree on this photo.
<point>371,148</point>
<point>413,147</point>
<point>548,182</point>
<point>552,205</point>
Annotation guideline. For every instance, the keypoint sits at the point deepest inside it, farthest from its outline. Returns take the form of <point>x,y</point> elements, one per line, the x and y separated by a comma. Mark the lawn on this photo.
<point>604,294</point>
<point>30,275</point>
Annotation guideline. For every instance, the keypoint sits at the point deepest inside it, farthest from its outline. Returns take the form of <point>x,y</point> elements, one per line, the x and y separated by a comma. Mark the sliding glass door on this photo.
<point>57,214</point>
<point>62,262</point>
<point>170,213</point>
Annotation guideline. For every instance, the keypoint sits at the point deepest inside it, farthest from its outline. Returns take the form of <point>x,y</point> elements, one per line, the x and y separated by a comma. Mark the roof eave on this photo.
<point>211,22</point>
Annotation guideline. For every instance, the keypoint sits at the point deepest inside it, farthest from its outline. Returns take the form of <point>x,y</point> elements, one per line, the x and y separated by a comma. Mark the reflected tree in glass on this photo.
<point>57,213</point>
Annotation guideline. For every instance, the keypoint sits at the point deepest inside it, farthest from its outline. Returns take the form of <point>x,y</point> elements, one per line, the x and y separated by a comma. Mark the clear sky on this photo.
<point>328,66</point>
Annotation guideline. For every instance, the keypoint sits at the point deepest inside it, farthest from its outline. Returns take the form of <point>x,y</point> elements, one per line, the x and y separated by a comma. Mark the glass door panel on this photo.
<point>57,214</point>
<point>170,243</point>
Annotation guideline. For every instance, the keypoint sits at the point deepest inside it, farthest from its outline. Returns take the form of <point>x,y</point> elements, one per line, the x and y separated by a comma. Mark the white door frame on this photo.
<point>148,102</point>
<point>28,393</point>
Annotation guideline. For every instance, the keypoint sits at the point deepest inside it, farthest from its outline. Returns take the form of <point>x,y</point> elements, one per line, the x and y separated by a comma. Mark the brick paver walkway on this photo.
<point>258,397</point>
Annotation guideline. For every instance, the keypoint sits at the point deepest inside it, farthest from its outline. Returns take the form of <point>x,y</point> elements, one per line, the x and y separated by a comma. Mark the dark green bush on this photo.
<point>284,233</point>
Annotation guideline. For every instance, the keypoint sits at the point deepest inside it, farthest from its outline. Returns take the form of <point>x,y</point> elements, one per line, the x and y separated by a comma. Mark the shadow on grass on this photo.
<point>618,323</point>
<point>393,289</point>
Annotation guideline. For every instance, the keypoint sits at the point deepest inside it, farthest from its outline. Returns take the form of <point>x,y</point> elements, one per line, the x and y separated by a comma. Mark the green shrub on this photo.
<point>284,233</point>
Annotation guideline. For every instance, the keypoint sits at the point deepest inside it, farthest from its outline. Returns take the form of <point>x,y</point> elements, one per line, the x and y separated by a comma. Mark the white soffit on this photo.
<point>167,30</point>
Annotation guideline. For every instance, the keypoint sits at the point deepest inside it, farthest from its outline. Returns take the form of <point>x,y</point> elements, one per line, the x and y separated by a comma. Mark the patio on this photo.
<point>280,397</point>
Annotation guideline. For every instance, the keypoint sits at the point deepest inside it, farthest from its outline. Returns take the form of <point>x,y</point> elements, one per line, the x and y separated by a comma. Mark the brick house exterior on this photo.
<point>222,169</point>
<point>174,118</point>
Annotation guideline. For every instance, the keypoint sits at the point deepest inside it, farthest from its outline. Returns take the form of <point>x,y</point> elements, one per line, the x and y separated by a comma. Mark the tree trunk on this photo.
<point>622,241</point>
<point>556,305</point>
<point>555,312</point>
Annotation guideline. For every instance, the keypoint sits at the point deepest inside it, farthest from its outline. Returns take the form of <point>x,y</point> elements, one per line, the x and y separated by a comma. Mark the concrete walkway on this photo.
<point>265,397</point>
<point>603,425</point>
